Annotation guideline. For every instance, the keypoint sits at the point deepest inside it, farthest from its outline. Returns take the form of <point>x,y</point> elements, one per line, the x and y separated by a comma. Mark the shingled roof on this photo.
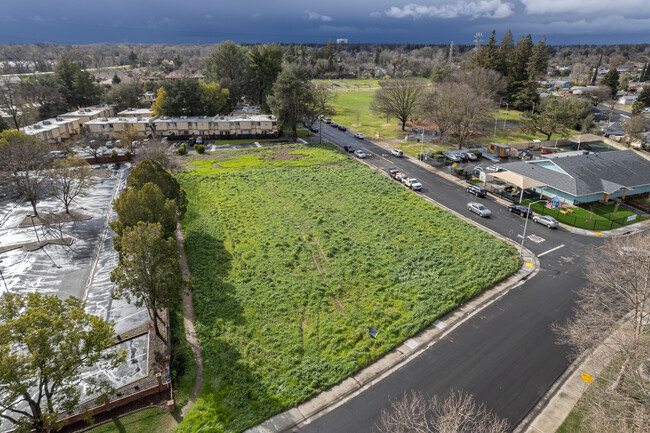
<point>604,172</point>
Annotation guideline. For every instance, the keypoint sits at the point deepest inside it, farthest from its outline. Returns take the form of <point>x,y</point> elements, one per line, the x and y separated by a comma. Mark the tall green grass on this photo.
<point>294,260</point>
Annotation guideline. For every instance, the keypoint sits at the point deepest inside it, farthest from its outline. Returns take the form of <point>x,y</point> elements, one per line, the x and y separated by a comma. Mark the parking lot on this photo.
<point>81,269</point>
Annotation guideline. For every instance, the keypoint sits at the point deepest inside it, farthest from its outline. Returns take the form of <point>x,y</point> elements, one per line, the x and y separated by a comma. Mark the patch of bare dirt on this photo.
<point>282,154</point>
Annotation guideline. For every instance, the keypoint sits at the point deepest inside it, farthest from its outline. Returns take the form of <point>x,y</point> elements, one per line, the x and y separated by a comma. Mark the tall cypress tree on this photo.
<point>595,76</point>
<point>504,53</point>
<point>538,62</point>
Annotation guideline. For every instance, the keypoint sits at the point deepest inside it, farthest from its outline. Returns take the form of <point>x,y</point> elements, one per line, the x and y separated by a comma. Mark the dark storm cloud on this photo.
<point>416,21</point>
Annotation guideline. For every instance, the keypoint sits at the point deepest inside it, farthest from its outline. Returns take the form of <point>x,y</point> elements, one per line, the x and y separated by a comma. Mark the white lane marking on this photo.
<point>257,144</point>
<point>536,239</point>
<point>550,251</point>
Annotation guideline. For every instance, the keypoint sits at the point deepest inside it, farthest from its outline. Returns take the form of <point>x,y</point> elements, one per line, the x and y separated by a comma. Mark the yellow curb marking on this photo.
<point>587,378</point>
<point>530,265</point>
<point>598,233</point>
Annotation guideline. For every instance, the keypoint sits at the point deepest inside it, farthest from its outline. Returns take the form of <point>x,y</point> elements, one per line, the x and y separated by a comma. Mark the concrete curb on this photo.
<point>321,404</point>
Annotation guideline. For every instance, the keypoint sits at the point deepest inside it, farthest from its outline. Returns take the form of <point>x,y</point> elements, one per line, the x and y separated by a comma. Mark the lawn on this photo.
<point>349,83</point>
<point>587,217</point>
<point>517,136</point>
<point>353,111</point>
<point>295,253</point>
<point>145,421</point>
<point>412,148</point>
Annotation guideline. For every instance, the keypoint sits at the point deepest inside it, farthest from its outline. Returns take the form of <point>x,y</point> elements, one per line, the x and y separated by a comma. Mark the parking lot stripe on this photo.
<point>551,250</point>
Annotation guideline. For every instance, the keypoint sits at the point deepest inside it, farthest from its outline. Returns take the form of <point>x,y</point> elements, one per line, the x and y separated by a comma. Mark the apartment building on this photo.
<point>114,126</point>
<point>135,112</point>
<point>54,130</point>
<point>89,113</point>
<point>244,126</point>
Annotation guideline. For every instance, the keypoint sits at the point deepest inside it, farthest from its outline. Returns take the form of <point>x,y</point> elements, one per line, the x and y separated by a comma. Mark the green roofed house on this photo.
<point>583,178</point>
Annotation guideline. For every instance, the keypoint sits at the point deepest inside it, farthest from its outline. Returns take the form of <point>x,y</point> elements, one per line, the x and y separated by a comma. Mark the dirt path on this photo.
<point>188,322</point>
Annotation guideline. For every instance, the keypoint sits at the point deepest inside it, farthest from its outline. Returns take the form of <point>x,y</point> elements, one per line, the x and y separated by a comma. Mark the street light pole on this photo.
<point>504,123</point>
<point>523,238</point>
<point>32,218</point>
<point>422,145</point>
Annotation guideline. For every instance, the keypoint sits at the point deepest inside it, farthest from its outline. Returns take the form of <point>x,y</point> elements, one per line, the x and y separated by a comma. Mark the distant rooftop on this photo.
<point>109,120</point>
<point>47,125</point>
<point>136,112</point>
<point>256,118</point>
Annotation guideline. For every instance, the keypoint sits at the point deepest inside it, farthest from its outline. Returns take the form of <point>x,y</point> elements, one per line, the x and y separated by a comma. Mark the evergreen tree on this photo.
<point>520,58</point>
<point>538,63</point>
<point>595,75</point>
<point>504,53</point>
<point>486,56</point>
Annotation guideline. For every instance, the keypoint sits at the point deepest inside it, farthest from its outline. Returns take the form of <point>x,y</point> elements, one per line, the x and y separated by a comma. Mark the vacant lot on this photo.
<point>295,254</point>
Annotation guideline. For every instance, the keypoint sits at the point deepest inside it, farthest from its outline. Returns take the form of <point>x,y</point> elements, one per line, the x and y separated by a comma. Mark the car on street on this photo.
<point>342,128</point>
<point>479,209</point>
<point>348,149</point>
<point>359,154</point>
<point>412,183</point>
<point>396,152</point>
<point>454,157</point>
<point>359,135</point>
<point>109,145</point>
<point>334,124</point>
<point>646,110</point>
<point>478,191</point>
<point>546,220</point>
<point>520,210</point>
<point>469,156</point>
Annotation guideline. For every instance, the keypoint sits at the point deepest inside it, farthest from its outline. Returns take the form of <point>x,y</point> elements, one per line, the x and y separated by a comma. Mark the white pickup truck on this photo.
<point>412,183</point>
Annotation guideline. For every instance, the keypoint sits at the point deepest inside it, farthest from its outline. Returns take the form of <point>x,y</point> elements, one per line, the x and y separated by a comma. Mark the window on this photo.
<point>224,132</point>
<point>256,123</point>
<point>193,124</point>
<point>172,124</point>
<point>234,124</point>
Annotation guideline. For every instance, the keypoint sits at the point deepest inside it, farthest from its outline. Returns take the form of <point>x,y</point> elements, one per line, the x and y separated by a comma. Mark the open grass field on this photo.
<point>349,84</point>
<point>517,136</point>
<point>295,253</point>
<point>353,111</point>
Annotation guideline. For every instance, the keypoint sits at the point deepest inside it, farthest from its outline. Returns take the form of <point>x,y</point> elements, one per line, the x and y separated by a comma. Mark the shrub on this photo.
<point>128,155</point>
<point>181,150</point>
<point>478,153</point>
<point>114,155</point>
<point>199,148</point>
<point>459,171</point>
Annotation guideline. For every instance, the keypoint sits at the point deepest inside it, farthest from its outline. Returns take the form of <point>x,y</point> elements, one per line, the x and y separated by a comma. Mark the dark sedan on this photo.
<point>520,210</point>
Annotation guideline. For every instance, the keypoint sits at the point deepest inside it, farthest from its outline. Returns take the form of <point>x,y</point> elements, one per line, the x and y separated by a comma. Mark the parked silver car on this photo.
<point>479,209</point>
<point>546,220</point>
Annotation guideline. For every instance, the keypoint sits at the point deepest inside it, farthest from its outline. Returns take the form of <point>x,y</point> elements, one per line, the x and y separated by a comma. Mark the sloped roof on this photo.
<point>604,172</point>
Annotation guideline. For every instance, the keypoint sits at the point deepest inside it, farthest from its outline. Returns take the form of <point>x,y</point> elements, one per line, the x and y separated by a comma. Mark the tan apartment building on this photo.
<point>244,126</point>
<point>89,113</point>
<point>136,112</point>
<point>54,130</point>
<point>114,126</point>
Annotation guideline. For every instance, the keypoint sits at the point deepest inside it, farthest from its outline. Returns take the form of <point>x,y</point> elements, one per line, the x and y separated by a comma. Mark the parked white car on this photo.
<point>359,136</point>
<point>396,152</point>
<point>359,154</point>
<point>479,209</point>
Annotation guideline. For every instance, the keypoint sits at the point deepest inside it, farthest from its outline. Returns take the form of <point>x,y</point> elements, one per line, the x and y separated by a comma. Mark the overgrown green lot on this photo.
<point>295,253</point>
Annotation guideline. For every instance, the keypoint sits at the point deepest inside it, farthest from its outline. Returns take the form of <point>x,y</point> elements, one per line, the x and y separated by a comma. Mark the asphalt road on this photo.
<point>506,356</point>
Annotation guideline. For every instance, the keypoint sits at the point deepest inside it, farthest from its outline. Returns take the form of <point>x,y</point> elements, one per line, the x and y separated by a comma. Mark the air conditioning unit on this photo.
<point>46,122</point>
<point>37,126</point>
<point>122,119</point>
<point>88,110</point>
<point>59,119</point>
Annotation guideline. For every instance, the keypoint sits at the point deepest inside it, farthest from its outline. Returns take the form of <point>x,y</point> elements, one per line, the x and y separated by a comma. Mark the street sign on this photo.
<point>631,217</point>
<point>455,164</point>
<point>587,378</point>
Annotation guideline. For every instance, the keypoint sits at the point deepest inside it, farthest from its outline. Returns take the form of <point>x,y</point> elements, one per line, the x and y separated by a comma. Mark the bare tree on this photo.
<point>397,98</point>
<point>487,83</point>
<point>70,177</point>
<point>11,103</point>
<point>156,151</point>
<point>634,128</point>
<point>93,143</point>
<point>130,138</point>
<point>24,159</point>
<point>455,108</point>
<point>612,313</point>
<point>459,413</point>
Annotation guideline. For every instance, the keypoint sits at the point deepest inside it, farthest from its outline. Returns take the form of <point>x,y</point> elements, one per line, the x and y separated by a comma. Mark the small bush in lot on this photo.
<point>114,155</point>
<point>181,150</point>
<point>478,153</point>
<point>199,148</point>
<point>459,171</point>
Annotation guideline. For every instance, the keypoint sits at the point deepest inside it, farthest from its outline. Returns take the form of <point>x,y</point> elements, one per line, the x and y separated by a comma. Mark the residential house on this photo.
<point>136,112</point>
<point>627,99</point>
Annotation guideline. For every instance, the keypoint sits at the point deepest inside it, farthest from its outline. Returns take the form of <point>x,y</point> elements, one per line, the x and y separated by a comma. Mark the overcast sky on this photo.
<point>416,21</point>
